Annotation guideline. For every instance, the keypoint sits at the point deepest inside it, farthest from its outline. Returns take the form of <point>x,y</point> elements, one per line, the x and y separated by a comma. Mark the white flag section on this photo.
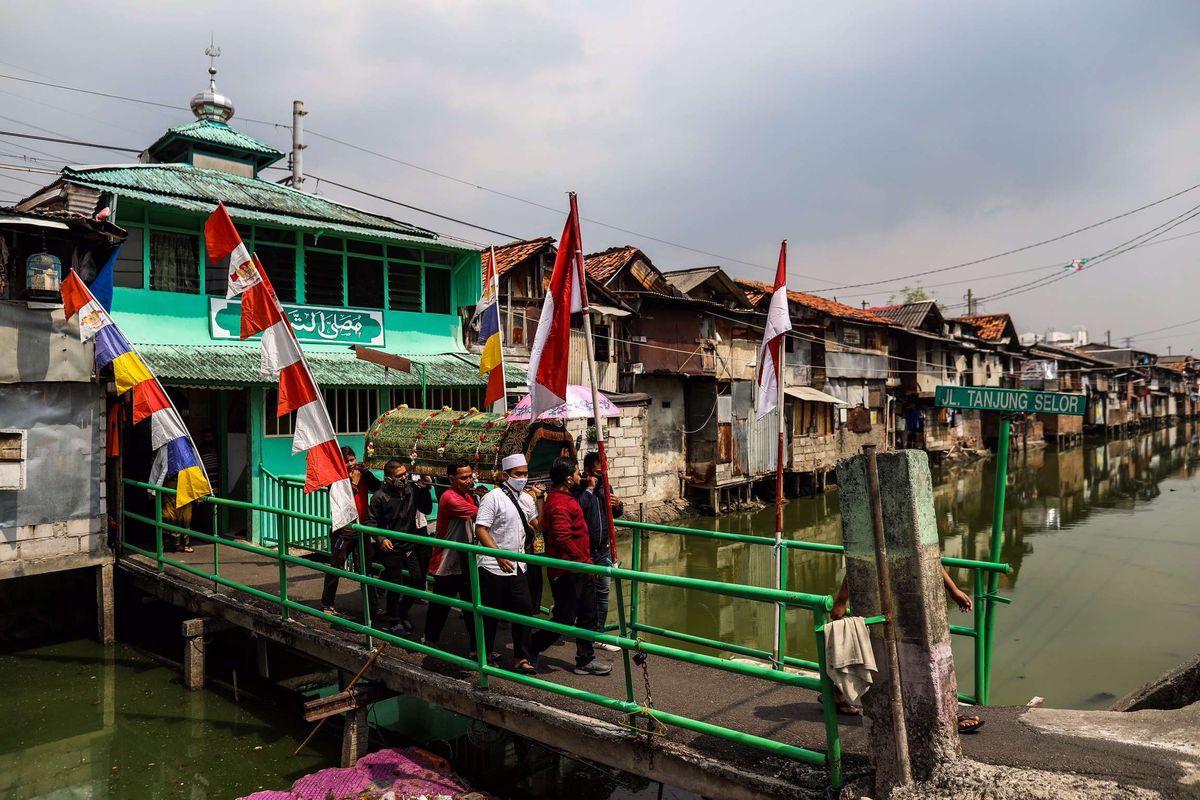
<point>779,322</point>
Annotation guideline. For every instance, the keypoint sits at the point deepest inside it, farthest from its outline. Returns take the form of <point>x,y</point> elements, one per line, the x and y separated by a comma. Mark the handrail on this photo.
<point>627,636</point>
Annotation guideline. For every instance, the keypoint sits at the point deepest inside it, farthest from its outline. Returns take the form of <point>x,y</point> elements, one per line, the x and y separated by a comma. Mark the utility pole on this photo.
<point>297,157</point>
<point>970,304</point>
<point>1108,338</point>
<point>1127,341</point>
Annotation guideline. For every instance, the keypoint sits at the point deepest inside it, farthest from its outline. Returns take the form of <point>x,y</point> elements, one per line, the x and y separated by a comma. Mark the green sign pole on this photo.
<point>993,580</point>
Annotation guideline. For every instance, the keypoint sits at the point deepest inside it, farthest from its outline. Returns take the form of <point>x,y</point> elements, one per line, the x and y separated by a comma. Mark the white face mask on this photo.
<point>517,484</point>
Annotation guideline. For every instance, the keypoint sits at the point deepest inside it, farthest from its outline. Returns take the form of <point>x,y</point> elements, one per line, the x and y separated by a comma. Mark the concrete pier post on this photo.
<point>106,628</point>
<point>927,679</point>
<point>193,653</point>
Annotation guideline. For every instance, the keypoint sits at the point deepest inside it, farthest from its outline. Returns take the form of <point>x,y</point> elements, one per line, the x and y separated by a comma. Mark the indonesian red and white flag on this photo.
<point>224,242</point>
<point>770,354</point>
<point>567,295</point>
<point>282,358</point>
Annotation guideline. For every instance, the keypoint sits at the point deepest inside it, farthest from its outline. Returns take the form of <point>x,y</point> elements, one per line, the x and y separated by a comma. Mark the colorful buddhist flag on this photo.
<point>282,358</point>
<point>491,338</point>
<point>175,452</point>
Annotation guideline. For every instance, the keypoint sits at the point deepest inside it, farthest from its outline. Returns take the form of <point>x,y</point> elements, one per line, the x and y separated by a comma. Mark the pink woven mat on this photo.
<point>404,774</point>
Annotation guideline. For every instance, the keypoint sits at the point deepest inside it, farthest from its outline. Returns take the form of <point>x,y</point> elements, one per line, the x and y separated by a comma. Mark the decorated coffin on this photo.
<point>433,439</point>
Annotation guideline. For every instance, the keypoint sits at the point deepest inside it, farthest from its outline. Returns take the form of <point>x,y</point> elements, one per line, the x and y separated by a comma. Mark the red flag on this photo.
<point>148,397</point>
<point>552,343</point>
<point>222,240</point>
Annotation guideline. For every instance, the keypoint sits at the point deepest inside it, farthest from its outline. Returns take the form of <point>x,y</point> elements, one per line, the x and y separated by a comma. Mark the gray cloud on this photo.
<point>880,138</point>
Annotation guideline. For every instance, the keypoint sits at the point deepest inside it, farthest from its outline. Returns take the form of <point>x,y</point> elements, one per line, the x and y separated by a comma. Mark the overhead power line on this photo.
<point>75,142</point>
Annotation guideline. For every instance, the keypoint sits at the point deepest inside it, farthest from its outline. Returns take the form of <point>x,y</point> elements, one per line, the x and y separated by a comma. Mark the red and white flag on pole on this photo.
<point>283,358</point>
<point>770,354</point>
<point>567,295</point>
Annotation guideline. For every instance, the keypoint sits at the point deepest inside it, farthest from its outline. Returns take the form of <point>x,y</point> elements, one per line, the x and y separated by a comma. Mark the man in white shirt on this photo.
<point>507,518</point>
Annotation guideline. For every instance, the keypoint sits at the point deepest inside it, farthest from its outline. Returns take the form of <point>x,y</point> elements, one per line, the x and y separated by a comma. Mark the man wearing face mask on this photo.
<point>507,520</point>
<point>394,507</point>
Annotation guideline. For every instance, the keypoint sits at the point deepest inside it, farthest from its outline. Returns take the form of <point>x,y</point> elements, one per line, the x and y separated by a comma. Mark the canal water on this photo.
<point>1103,539</point>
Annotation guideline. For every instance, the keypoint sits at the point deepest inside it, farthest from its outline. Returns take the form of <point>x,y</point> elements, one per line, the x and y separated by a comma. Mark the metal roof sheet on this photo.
<point>222,365</point>
<point>210,186</point>
<point>212,132</point>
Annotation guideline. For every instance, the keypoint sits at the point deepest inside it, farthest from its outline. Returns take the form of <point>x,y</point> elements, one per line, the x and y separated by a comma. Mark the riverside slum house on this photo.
<point>998,340</point>
<point>1049,368</point>
<point>928,350</point>
<point>1187,402</point>
<point>346,277</point>
<point>523,269</point>
<point>54,485</point>
<point>1135,399</point>
<point>836,376</point>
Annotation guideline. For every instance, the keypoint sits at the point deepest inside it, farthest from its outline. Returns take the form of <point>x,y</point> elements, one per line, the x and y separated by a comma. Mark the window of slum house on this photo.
<point>404,279</point>
<point>279,262</point>
<point>365,282</point>
<point>129,271</point>
<point>600,342</point>
<point>437,291</point>
<point>174,261</point>
<point>323,277</point>
<point>350,410</point>
<point>852,335</point>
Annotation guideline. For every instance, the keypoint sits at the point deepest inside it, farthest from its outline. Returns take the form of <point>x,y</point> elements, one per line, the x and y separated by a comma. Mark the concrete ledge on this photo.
<point>41,566</point>
<point>1173,689</point>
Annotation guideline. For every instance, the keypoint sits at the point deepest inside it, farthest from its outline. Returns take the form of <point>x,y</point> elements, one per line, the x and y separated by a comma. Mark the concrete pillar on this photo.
<point>354,736</point>
<point>193,653</point>
<point>263,657</point>
<point>929,687</point>
<point>106,629</point>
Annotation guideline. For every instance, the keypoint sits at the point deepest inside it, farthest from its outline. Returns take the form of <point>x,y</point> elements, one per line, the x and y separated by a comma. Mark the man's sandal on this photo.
<point>969,724</point>
<point>848,709</point>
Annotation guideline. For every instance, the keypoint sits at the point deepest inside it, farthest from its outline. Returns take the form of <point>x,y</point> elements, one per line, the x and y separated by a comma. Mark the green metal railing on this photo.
<point>287,491</point>
<point>984,596</point>
<point>627,635</point>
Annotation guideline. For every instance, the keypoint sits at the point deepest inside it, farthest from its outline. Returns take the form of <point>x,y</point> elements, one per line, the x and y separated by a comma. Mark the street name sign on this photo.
<point>1013,401</point>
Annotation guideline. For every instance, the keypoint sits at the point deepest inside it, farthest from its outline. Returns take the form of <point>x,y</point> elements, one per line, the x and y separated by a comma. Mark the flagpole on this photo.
<point>590,349</point>
<point>776,646</point>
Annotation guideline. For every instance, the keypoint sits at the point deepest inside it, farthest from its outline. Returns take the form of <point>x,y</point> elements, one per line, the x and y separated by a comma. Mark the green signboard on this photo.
<point>1013,401</point>
<point>320,324</point>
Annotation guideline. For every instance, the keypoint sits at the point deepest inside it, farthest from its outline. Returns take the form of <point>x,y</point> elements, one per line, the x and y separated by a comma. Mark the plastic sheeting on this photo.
<point>45,344</point>
<point>863,366</point>
<point>65,451</point>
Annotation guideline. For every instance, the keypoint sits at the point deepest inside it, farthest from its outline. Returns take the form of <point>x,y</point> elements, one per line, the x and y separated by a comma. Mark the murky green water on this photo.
<point>1104,540</point>
<point>80,722</point>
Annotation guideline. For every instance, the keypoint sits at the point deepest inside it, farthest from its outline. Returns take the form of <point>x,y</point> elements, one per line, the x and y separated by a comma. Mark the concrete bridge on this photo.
<point>732,727</point>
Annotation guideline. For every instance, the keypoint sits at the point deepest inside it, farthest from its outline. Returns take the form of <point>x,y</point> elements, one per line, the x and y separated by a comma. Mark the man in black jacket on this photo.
<point>394,507</point>
<point>597,507</point>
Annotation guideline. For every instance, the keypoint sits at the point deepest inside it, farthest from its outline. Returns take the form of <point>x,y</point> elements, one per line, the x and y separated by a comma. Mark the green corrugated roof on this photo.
<point>222,365</point>
<point>283,220</point>
<point>175,184</point>
<point>218,133</point>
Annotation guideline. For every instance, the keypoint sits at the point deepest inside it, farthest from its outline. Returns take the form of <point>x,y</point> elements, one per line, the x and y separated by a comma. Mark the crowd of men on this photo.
<point>569,521</point>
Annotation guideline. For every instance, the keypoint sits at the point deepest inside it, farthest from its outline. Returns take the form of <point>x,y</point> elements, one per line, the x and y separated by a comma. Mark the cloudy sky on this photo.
<point>881,139</point>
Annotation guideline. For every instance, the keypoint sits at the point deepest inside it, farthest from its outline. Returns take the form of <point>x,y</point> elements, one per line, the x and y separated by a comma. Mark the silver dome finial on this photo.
<point>210,104</point>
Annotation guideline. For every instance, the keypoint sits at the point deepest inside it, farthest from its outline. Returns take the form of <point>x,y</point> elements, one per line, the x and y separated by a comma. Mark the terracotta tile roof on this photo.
<point>757,292</point>
<point>991,326</point>
<point>514,253</point>
<point>602,266</point>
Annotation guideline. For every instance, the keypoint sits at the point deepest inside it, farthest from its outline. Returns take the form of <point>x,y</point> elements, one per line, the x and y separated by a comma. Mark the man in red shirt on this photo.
<point>450,568</point>
<point>567,539</point>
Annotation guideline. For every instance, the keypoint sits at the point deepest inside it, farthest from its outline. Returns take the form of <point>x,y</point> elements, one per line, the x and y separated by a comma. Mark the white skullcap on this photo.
<point>512,462</point>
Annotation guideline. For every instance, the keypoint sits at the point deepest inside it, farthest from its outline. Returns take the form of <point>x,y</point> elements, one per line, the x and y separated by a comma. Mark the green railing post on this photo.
<point>636,566</point>
<point>781,609</point>
<point>360,563</point>
<point>833,740</point>
<point>216,534</point>
<point>481,653</point>
<point>626,634</point>
<point>158,534</point>
<point>281,534</point>
<point>993,580</point>
<point>977,582</point>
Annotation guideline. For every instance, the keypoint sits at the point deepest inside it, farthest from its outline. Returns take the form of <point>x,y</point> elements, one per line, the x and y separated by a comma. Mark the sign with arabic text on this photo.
<point>1013,401</point>
<point>318,324</point>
